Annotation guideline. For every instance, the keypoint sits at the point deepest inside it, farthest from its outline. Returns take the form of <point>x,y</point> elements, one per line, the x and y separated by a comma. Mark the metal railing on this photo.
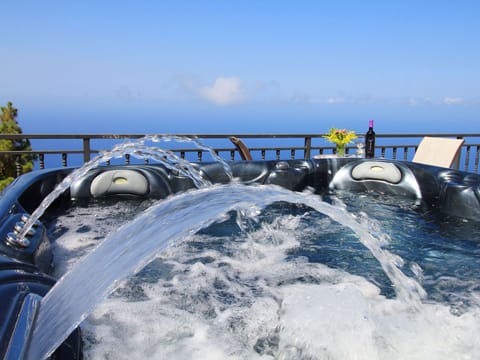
<point>80,148</point>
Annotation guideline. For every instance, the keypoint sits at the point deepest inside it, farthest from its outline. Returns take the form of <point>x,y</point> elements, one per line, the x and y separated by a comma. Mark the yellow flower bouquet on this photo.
<point>340,137</point>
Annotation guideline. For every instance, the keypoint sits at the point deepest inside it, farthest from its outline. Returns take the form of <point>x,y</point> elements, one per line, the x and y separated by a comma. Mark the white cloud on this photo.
<point>224,91</point>
<point>419,101</point>
<point>453,100</point>
<point>335,100</point>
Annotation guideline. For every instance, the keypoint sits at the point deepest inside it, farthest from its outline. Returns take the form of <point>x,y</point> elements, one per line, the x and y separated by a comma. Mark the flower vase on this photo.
<point>340,150</point>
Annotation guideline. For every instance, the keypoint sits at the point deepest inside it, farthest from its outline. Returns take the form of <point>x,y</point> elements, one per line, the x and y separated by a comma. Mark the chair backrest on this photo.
<point>442,152</point>
<point>241,147</point>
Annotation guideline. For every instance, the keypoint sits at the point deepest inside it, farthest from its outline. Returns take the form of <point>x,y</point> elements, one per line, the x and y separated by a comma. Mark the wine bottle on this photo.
<point>370,141</point>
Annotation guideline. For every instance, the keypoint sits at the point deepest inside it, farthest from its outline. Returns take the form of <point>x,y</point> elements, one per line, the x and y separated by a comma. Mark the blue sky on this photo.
<point>241,66</point>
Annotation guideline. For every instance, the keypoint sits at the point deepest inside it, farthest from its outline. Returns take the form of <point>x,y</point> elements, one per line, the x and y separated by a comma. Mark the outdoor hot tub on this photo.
<point>276,279</point>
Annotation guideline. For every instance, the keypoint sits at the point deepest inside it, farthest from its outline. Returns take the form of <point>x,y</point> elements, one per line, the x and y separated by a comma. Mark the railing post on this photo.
<point>41,158</point>
<point>86,150</point>
<point>456,162</point>
<point>467,158</point>
<point>18,165</point>
<point>308,147</point>
<point>477,158</point>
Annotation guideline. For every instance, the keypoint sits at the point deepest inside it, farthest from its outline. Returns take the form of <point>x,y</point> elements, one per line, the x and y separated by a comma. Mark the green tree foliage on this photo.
<point>9,125</point>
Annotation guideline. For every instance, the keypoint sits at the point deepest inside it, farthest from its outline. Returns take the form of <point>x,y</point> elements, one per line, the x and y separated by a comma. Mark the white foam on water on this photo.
<point>187,317</point>
<point>255,303</point>
<point>80,229</point>
<point>344,321</point>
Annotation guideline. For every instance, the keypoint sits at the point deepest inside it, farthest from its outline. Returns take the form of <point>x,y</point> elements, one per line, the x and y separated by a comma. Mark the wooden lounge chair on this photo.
<point>241,147</point>
<point>442,152</point>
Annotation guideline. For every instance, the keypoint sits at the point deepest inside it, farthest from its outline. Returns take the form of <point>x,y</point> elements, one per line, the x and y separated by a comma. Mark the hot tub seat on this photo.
<point>459,194</point>
<point>139,181</point>
<point>393,178</point>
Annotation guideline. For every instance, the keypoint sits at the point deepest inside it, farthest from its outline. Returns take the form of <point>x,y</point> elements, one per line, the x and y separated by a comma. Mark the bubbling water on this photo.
<point>228,293</point>
<point>137,243</point>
